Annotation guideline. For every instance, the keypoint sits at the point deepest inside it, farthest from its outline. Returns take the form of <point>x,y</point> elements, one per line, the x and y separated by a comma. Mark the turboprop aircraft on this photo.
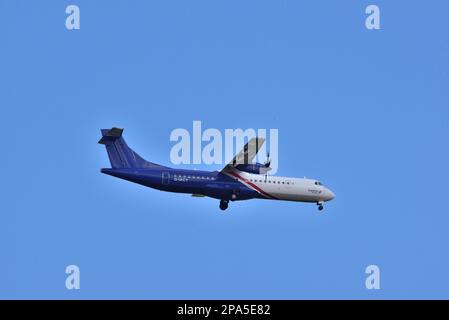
<point>238,180</point>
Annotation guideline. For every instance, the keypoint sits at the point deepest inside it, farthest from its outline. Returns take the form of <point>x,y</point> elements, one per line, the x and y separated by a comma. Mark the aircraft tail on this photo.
<point>120,155</point>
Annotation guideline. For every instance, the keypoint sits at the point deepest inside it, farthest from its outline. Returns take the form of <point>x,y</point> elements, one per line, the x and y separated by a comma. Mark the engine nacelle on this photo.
<point>256,168</point>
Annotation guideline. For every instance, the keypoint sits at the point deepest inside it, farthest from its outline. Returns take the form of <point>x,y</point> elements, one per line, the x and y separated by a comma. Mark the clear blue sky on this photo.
<point>364,111</point>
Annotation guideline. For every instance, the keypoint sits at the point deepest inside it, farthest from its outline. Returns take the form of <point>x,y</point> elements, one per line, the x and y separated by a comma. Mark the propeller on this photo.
<point>268,162</point>
<point>267,165</point>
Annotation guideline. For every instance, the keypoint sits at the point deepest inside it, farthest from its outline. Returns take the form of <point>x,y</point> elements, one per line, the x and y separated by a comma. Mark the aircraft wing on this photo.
<point>247,154</point>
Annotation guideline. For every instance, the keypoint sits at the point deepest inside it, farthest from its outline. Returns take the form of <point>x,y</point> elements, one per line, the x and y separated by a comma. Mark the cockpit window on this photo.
<point>318,183</point>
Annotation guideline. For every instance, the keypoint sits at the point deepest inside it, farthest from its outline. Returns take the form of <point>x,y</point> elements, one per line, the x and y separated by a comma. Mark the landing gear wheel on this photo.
<point>223,204</point>
<point>320,205</point>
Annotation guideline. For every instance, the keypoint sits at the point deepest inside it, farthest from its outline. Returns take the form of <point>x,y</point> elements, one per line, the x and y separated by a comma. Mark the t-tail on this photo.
<point>120,155</point>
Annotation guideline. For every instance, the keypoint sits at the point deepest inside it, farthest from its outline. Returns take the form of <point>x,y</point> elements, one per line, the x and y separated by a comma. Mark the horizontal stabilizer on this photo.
<point>110,135</point>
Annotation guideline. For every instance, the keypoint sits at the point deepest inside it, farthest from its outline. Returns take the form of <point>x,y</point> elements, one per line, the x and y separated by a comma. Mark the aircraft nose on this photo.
<point>329,195</point>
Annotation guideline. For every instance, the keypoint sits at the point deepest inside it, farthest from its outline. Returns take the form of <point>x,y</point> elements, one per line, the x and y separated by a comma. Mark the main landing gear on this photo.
<point>320,205</point>
<point>224,204</point>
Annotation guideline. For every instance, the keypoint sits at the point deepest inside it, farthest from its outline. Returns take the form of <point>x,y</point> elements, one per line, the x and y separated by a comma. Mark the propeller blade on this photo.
<point>268,162</point>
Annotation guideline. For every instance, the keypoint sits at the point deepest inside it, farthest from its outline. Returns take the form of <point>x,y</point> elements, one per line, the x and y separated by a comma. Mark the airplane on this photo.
<point>238,180</point>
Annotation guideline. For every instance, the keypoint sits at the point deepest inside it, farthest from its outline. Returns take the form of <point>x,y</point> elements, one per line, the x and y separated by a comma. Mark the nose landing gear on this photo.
<point>320,205</point>
<point>224,204</point>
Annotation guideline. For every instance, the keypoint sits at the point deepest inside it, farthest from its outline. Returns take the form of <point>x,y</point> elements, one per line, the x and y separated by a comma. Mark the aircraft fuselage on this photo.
<point>234,185</point>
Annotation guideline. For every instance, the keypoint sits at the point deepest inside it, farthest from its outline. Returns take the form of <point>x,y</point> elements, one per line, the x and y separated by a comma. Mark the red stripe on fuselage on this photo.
<point>252,185</point>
